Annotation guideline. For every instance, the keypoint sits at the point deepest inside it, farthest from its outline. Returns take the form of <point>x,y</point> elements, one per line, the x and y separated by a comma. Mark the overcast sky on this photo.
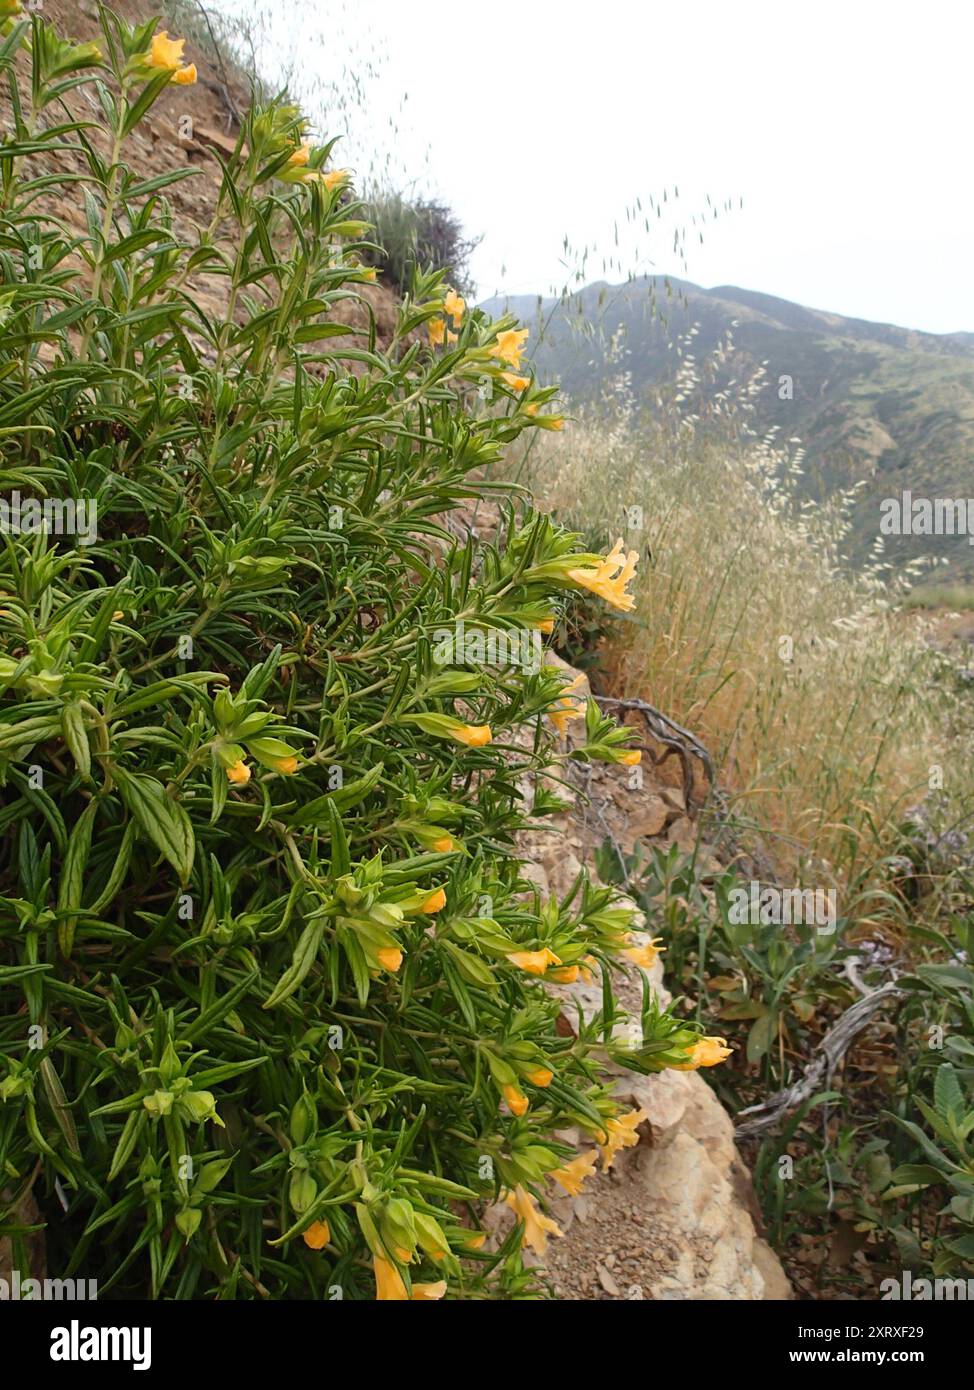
<point>840,130</point>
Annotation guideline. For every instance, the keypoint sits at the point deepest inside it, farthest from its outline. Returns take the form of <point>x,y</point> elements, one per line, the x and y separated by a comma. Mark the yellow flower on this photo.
<point>168,53</point>
<point>317,1235</point>
<point>508,346</point>
<point>647,954</point>
<point>620,1134</point>
<point>454,305</point>
<point>534,962</point>
<point>632,757</point>
<point>473,735</point>
<point>389,957</point>
<point>546,625</point>
<point>333,178</point>
<point>435,901</point>
<point>537,1226</point>
<point>708,1052</point>
<point>515,382</point>
<point>477,1241</point>
<point>300,157</point>
<point>118,615</point>
<point>531,409</point>
<point>610,579</point>
<point>573,1174</point>
<point>239,773</point>
<point>567,975</point>
<point>428,1293</point>
<point>368,273</point>
<point>451,338</point>
<point>540,1076</point>
<point>436,328</point>
<point>389,1286</point>
<point>515,1098</point>
<point>444,844</point>
<point>567,708</point>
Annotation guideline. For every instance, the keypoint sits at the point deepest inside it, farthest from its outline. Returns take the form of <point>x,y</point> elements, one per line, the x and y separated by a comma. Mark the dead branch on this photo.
<point>832,1049</point>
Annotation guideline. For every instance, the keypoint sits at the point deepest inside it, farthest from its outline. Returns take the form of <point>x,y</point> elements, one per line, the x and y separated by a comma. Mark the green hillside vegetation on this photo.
<point>887,408</point>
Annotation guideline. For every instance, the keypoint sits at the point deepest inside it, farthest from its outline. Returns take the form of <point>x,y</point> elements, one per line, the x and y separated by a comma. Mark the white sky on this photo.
<point>843,125</point>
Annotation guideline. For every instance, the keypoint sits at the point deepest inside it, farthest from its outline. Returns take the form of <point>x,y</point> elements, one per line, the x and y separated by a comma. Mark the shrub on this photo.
<point>413,235</point>
<point>272,987</point>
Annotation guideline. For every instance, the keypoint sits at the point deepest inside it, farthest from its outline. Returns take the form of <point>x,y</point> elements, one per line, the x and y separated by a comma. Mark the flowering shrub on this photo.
<point>272,988</point>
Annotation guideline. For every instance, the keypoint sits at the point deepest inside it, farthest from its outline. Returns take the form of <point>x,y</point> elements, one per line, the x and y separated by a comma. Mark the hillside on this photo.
<point>871,402</point>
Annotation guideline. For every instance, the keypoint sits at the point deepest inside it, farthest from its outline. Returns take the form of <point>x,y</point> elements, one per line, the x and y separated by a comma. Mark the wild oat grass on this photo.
<point>826,711</point>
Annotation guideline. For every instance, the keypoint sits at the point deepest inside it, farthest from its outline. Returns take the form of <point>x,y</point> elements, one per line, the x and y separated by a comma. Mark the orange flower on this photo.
<point>567,708</point>
<point>454,305</point>
<point>632,757</point>
<point>620,1134</point>
<point>435,901</point>
<point>389,957</point>
<point>239,773</point>
<point>300,157</point>
<point>537,1226</point>
<point>573,1174</point>
<point>333,178</point>
<point>317,1236</point>
<point>546,625</point>
<point>609,580</point>
<point>708,1052</point>
<point>389,1286</point>
<point>540,1076</point>
<point>515,382</point>
<point>567,975</point>
<point>477,1241</point>
<point>168,53</point>
<point>515,1098</point>
<point>509,346</point>
<point>436,328</point>
<point>473,735</point>
<point>428,1293</point>
<point>444,844</point>
<point>646,953</point>
<point>534,962</point>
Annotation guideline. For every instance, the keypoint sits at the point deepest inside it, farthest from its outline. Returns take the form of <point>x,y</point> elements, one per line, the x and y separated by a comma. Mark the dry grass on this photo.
<point>824,709</point>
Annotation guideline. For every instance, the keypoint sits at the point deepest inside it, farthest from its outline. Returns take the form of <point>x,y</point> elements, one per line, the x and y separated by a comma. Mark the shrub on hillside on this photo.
<point>273,1006</point>
<point>411,235</point>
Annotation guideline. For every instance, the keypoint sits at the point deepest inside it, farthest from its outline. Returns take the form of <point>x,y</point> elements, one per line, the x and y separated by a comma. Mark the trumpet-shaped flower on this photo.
<point>509,345</point>
<point>515,382</point>
<point>473,735</point>
<point>646,953</point>
<point>571,1175</point>
<point>238,774</point>
<point>609,580</point>
<point>317,1236</point>
<point>540,1076</point>
<point>389,1285</point>
<point>537,1226</point>
<point>389,957</point>
<point>708,1052</point>
<point>435,901</point>
<point>454,305</point>
<point>620,1134</point>
<point>516,1099</point>
<point>534,962</point>
<point>435,329</point>
<point>168,53</point>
